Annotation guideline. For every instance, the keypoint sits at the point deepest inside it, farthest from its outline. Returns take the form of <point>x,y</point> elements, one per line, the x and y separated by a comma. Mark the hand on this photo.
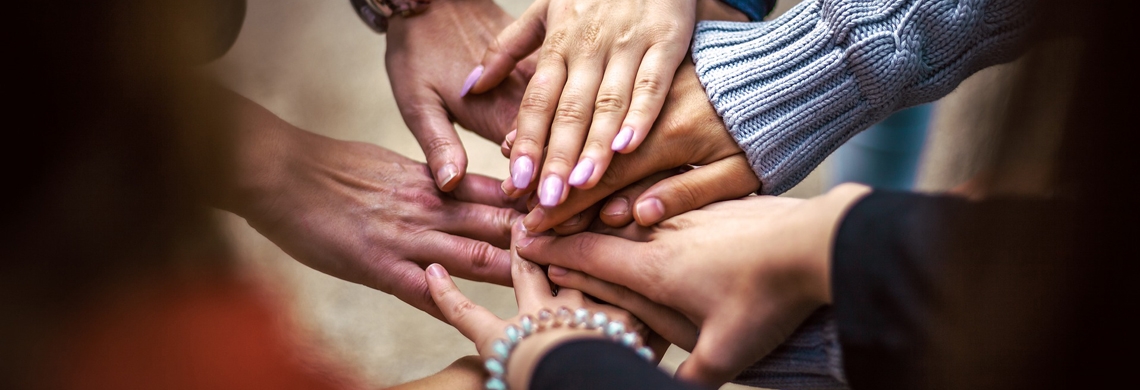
<point>532,291</point>
<point>366,214</point>
<point>747,271</point>
<point>428,57</point>
<point>603,66</point>
<point>689,131</point>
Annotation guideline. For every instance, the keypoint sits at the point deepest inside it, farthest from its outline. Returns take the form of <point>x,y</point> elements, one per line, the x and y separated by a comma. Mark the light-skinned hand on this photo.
<point>747,272</point>
<point>533,293</point>
<point>428,58</point>
<point>603,72</point>
<point>688,132</point>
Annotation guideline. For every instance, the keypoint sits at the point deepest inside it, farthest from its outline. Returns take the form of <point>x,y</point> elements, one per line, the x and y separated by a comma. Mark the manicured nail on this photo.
<point>582,172</point>
<point>622,139</point>
<point>510,138</point>
<point>436,271</point>
<point>555,270</point>
<point>471,79</point>
<point>506,187</point>
<point>525,241</point>
<point>650,210</point>
<point>551,192</point>
<point>532,220</point>
<point>616,206</point>
<point>446,174</point>
<point>522,172</point>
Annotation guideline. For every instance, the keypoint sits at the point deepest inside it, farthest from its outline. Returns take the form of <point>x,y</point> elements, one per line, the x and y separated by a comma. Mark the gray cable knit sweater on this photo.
<point>793,89</point>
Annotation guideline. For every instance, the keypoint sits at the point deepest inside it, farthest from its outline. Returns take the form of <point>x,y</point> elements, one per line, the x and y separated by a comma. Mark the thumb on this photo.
<point>472,320</point>
<point>729,178</point>
<point>436,135</point>
<point>517,41</point>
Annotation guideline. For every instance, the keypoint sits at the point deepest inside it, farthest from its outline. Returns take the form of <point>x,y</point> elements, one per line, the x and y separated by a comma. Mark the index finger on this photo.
<point>613,259</point>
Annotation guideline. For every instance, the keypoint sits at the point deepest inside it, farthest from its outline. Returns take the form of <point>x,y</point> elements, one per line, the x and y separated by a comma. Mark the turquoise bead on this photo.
<point>494,367</point>
<point>495,384</point>
<point>501,349</point>
<point>629,339</point>
<point>527,324</point>
<point>646,353</point>
<point>580,317</point>
<point>513,334</point>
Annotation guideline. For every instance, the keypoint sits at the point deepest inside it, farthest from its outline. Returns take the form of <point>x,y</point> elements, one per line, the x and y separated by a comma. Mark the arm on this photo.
<point>922,282</point>
<point>792,90</point>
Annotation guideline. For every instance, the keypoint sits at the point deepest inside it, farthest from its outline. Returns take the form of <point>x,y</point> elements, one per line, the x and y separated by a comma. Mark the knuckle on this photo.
<point>535,101</point>
<point>686,195</point>
<point>648,84</point>
<point>438,145</point>
<point>483,256</point>
<point>556,158</point>
<point>589,42</point>
<point>571,111</point>
<point>556,40</point>
<point>609,102</point>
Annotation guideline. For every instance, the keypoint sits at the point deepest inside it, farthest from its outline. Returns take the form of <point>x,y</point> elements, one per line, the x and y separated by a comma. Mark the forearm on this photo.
<point>792,90</point>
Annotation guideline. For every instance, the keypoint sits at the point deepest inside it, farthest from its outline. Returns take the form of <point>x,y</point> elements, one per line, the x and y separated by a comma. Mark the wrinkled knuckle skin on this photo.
<point>609,102</point>
<point>559,158</point>
<point>461,310</point>
<point>686,195</point>
<point>571,112</point>
<point>438,146</point>
<point>647,85</point>
<point>589,43</point>
<point>556,40</point>
<point>585,245</point>
<point>483,257</point>
<point>535,101</point>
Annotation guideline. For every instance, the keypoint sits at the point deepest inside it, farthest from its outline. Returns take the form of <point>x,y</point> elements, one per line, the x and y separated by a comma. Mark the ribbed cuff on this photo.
<point>791,90</point>
<point>811,358</point>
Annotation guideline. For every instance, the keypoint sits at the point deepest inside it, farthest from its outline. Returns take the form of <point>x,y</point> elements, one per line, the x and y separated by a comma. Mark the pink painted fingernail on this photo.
<point>582,172</point>
<point>522,172</point>
<point>650,210</point>
<point>471,79</point>
<point>551,192</point>
<point>555,270</point>
<point>437,271</point>
<point>622,139</point>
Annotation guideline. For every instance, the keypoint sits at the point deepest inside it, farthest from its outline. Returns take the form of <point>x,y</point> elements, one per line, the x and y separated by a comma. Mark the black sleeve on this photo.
<point>930,288</point>
<point>599,364</point>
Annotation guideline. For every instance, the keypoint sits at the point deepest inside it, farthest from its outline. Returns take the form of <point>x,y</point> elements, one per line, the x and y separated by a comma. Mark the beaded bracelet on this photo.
<point>496,365</point>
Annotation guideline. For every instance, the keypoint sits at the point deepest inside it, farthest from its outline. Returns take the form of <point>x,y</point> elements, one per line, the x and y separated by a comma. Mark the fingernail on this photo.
<point>506,188</point>
<point>436,271</point>
<point>582,172</point>
<point>525,241</point>
<point>446,174</point>
<point>532,201</point>
<point>532,220</point>
<point>521,172</point>
<point>650,210</point>
<point>616,206</point>
<point>555,270</point>
<point>572,221</point>
<point>471,79</point>
<point>622,139</point>
<point>551,192</point>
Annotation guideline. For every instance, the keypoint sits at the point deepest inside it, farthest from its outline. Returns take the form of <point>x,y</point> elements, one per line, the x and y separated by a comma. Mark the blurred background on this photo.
<point>316,65</point>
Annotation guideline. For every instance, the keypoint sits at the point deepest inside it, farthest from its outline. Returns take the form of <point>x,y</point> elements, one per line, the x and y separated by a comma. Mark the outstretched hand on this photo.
<point>365,214</point>
<point>747,272</point>
<point>428,58</point>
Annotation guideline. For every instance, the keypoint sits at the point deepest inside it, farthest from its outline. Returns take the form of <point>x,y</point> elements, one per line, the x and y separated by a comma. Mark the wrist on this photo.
<point>528,353</point>
<point>832,207</point>
<point>264,146</point>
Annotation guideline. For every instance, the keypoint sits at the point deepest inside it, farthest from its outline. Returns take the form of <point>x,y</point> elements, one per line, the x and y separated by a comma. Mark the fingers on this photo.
<point>579,222</point>
<point>613,259</point>
<point>650,88</point>
<point>484,190</point>
<point>536,111</point>
<point>609,110</point>
<point>725,179</point>
<point>512,45</point>
<point>433,130</point>
<point>405,280</point>
<point>472,320</point>
<point>568,129</point>
<point>532,288</point>
<point>665,321</point>
<point>618,210</point>
<point>480,222</point>
<point>465,257</point>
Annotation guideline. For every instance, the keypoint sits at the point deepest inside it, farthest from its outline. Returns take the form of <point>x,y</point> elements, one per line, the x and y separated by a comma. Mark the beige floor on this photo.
<point>316,65</point>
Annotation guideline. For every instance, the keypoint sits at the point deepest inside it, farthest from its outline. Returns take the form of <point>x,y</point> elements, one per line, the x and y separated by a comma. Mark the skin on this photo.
<point>688,132</point>
<point>532,291</point>
<point>428,58</point>
<point>747,272</point>
<point>363,213</point>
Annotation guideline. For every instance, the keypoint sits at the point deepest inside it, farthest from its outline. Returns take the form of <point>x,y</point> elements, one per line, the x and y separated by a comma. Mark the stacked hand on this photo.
<point>746,272</point>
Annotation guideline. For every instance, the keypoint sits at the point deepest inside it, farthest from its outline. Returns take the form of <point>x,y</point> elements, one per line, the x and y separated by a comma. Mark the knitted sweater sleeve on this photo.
<point>793,89</point>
